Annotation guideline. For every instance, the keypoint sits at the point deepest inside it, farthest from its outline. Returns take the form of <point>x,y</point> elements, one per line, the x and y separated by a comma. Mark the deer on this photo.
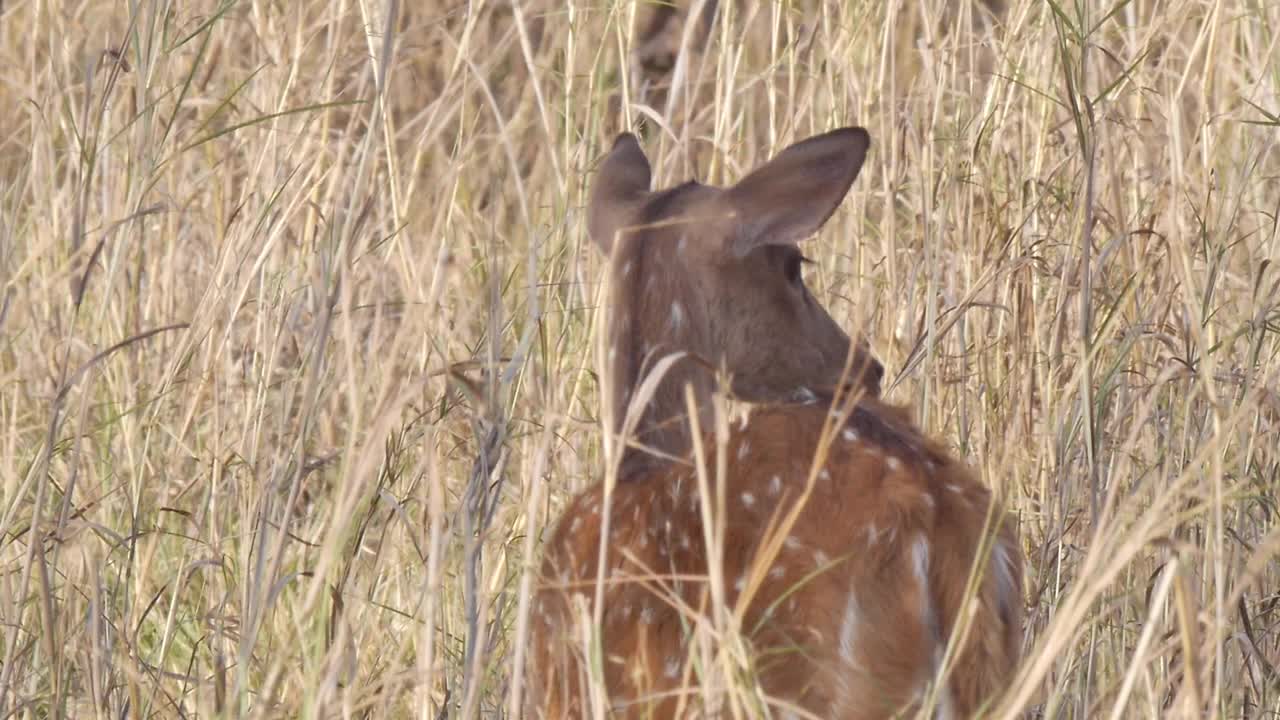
<point>869,573</point>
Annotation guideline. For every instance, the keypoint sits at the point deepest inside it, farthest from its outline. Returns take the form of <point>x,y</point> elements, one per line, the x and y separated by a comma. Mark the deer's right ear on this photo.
<point>788,198</point>
<point>620,186</point>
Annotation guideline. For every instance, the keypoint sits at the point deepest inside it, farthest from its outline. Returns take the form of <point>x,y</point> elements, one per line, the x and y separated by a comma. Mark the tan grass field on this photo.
<point>298,325</point>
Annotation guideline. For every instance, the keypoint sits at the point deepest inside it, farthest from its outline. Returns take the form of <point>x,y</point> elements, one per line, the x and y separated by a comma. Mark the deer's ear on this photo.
<point>619,187</point>
<point>789,198</point>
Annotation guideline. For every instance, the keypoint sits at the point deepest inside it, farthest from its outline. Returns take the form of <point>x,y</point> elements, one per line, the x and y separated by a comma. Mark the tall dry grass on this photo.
<point>298,317</point>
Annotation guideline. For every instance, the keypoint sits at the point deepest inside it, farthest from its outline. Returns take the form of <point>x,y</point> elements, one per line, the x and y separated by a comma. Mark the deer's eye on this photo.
<point>792,266</point>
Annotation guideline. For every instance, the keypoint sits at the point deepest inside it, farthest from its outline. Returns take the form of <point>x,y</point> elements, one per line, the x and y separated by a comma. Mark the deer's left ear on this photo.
<point>790,197</point>
<point>620,186</point>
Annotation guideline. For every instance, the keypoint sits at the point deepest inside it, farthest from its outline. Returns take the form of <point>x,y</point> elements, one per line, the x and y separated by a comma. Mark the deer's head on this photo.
<point>718,272</point>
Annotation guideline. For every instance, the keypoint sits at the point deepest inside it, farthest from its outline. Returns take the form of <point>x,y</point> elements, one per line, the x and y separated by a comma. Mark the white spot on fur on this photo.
<point>684,542</point>
<point>777,572</point>
<point>824,474</point>
<point>577,523</point>
<point>791,542</point>
<point>928,499</point>
<point>894,464</point>
<point>677,315</point>
<point>952,487</point>
<point>920,560</point>
<point>748,499</point>
<point>626,268</point>
<point>849,630</point>
<point>671,668</point>
<point>743,449</point>
<point>850,434</point>
<point>820,558</point>
<point>741,583</point>
<point>682,244</point>
<point>804,396</point>
<point>647,615</point>
<point>920,565</point>
<point>775,484</point>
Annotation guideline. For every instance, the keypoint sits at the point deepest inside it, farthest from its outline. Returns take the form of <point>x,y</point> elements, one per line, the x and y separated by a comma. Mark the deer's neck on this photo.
<point>653,314</point>
<point>663,433</point>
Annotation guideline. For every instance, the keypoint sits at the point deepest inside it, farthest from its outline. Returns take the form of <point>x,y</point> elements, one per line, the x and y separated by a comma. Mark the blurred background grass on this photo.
<point>297,324</point>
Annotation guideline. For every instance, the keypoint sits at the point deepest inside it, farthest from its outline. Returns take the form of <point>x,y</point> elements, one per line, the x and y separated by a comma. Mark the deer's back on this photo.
<point>848,605</point>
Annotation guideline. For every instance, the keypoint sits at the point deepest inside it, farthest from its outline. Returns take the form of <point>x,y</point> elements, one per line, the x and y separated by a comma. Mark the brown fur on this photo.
<point>851,611</point>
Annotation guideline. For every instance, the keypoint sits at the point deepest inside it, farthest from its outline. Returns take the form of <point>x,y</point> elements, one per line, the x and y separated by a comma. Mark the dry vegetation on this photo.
<point>298,322</point>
